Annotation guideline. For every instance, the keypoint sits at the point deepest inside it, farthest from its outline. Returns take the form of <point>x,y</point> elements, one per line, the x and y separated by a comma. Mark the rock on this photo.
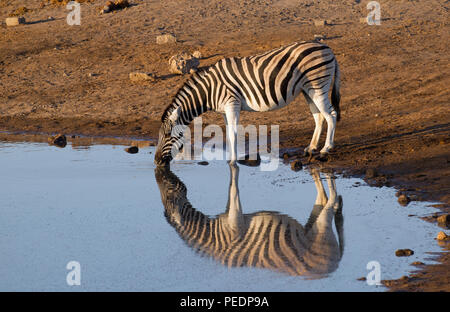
<point>183,63</point>
<point>319,37</point>
<point>132,150</point>
<point>404,252</point>
<point>362,279</point>
<point>296,165</point>
<point>371,173</point>
<point>417,263</point>
<point>442,236</point>
<point>140,76</point>
<point>114,6</point>
<point>14,21</point>
<point>203,163</point>
<point>59,140</point>
<point>444,219</point>
<point>197,54</point>
<point>167,38</point>
<point>320,22</point>
<point>403,200</point>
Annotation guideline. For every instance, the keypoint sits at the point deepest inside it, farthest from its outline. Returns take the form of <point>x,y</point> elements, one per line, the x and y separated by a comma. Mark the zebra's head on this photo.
<point>170,138</point>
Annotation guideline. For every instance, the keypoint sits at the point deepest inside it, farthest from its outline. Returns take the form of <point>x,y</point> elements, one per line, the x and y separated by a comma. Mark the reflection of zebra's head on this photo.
<point>170,140</point>
<point>173,194</point>
<point>265,239</point>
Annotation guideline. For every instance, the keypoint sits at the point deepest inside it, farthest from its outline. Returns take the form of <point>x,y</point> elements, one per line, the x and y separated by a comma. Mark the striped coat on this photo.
<point>258,83</point>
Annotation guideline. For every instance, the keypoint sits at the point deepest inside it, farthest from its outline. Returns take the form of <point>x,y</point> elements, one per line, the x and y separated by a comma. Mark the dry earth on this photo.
<point>395,77</point>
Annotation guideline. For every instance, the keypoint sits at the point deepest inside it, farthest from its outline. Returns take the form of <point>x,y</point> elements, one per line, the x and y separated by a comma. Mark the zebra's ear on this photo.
<point>174,115</point>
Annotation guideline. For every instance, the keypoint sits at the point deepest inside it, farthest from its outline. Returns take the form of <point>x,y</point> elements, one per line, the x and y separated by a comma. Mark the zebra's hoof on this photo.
<point>323,157</point>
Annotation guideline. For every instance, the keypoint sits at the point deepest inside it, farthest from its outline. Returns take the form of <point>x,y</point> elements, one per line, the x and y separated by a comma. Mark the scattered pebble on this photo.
<point>362,279</point>
<point>59,140</point>
<point>132,150</point>
<point>442,236</point>
<point>140,76</point>
<point>203,163</point>
<point>197,54</point>
<point>371,173</point>
<point>319,37</point>
<point>167,38</point>
<point>417,263</point>
<point>183,63</point>
<point>403,200</point>
<point>14,21</point>
<point>296,165</point>
<point>444,219</point>
<point>114,6</point>
<point>404,252</point>
<point>320,22</point>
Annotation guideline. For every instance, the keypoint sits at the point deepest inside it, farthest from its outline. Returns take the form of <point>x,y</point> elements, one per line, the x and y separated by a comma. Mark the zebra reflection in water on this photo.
<point>263,239</point>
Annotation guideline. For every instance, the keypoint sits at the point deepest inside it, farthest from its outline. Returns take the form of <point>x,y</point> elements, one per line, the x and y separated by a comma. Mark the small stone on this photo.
<point>442,236</point>
<point>286,156</point>
<point>403,200</point>
<point>14,21</point>
<point>417,263</point>
<point>203,163</point>
<point>197,54</point>
<point>296,165</point>
<point>183,63</point>
<point>167,38</point>
<point>59,140</point>
<point>132,150</point>
<point>371,173</point>
<point>404,252</point>
<point>362,279</point>
<point>140,76</point>
<point>92,75</point>
<point>444,219</point>
<point>319,37</point>
<point>320,22</point>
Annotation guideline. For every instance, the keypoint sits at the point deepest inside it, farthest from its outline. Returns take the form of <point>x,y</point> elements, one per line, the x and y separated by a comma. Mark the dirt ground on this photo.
<point>57,78</point>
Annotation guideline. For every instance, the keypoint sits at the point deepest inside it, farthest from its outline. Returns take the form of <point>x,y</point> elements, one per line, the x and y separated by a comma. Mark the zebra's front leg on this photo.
<point>232,112</point>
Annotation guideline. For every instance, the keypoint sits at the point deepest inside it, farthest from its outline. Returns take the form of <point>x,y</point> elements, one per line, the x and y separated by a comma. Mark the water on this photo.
<point>103,208</point>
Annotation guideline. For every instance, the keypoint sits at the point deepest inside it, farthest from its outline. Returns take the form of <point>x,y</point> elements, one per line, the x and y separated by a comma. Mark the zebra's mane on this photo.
<point>187,84</point>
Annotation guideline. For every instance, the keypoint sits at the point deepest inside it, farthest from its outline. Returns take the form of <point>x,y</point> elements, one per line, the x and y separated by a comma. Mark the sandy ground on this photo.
<point>395,77</point>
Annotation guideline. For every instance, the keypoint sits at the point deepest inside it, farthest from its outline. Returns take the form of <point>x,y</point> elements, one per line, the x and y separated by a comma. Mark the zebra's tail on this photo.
<point>335,93</point>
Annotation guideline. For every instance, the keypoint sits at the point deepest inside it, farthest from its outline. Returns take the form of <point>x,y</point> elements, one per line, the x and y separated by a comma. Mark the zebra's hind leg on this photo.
<point>311,149</point>
<point>329,114</point>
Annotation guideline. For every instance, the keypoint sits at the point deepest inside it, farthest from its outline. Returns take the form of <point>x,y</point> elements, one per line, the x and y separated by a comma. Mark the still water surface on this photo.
<point>194,228</point>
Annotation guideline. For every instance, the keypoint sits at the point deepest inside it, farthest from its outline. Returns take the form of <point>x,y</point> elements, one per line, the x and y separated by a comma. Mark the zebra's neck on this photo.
<point>190,101</point>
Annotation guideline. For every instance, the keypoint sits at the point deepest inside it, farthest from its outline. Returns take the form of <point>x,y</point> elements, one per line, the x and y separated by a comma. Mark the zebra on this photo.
<point>259,83</point>
<point>265,239</point>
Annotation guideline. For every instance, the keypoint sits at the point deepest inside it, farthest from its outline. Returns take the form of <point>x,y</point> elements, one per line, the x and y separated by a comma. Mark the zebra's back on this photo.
<point>271,80</point>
